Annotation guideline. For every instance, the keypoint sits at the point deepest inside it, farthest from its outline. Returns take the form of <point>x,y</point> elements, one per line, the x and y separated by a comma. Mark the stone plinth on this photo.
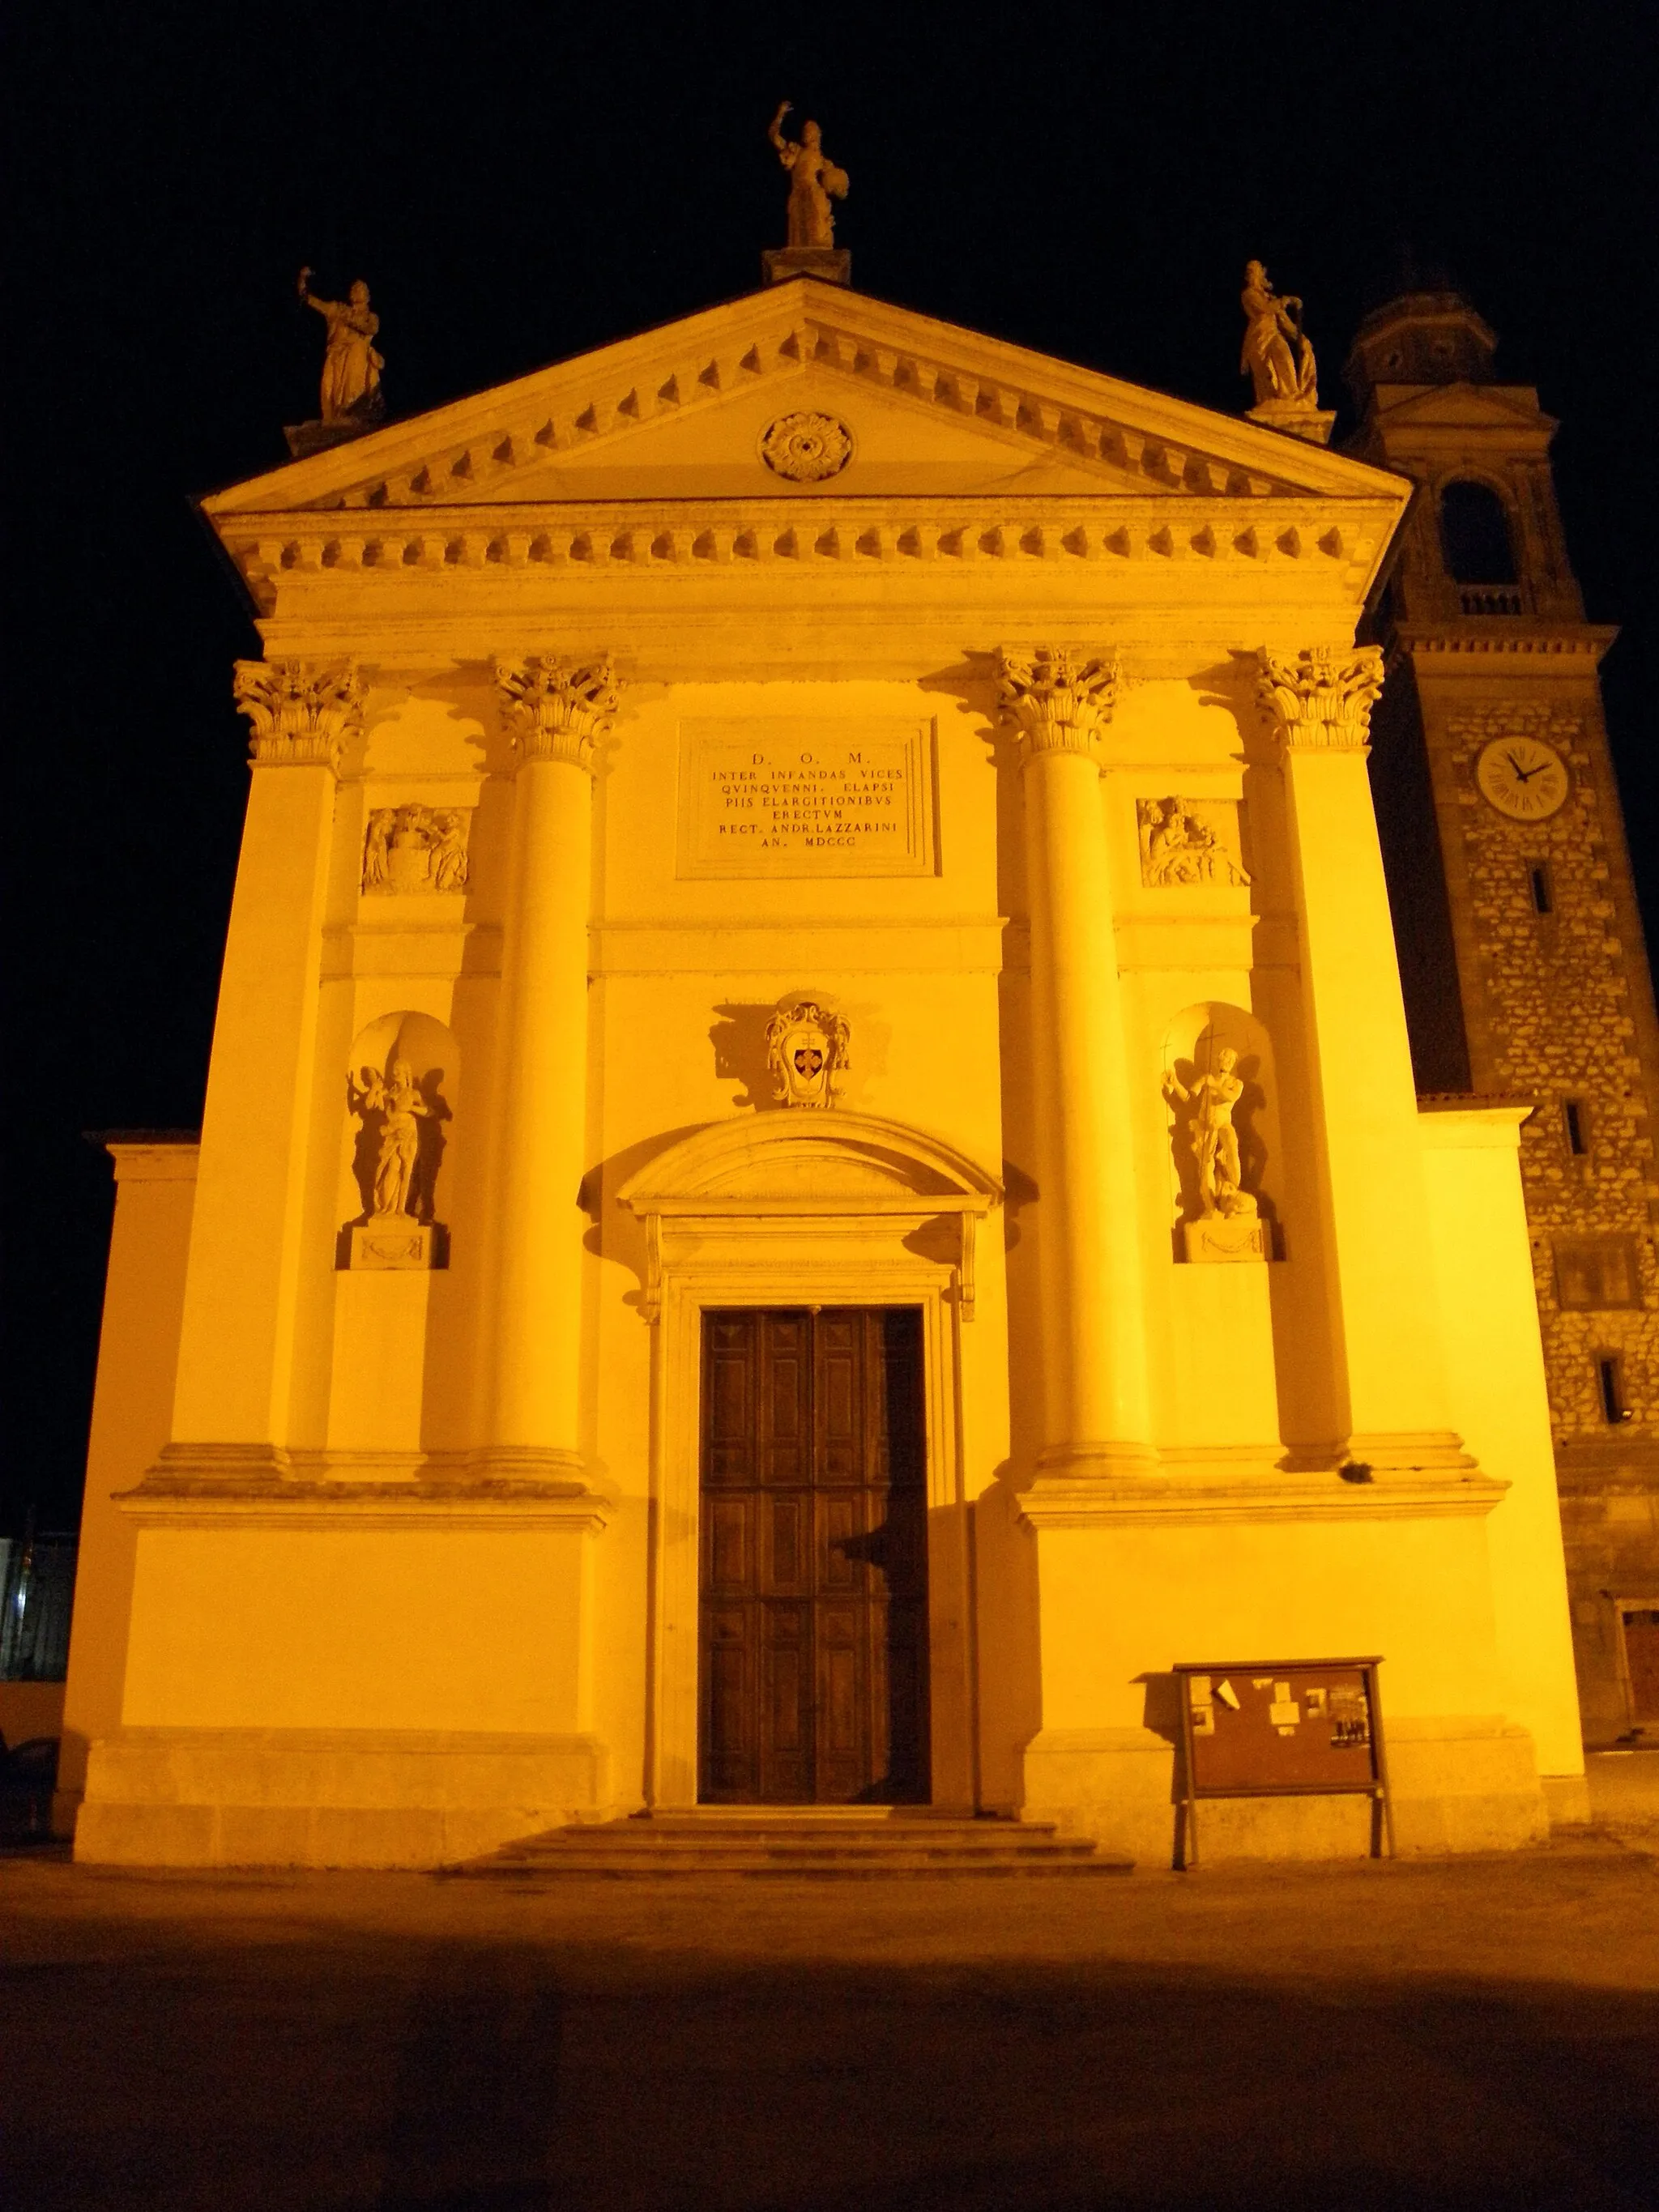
<point>1226,1236</point>
<point>305,439</point>
<point>1297,421</point>
<point>830,264</point>
<point>400,1243</point>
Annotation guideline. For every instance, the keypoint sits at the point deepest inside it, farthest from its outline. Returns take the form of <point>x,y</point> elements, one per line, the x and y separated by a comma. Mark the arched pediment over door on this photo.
<point>854,1186</point>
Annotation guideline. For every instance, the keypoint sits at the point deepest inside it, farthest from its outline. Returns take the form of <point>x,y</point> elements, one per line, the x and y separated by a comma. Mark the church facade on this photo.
<point>811,1177</point>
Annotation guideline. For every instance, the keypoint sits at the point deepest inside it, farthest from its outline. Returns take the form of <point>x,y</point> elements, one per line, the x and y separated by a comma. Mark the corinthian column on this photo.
<point>1386,1350</point>
<point>236,1343</point>
<point>1093,1334</point>
<point>553,711</point>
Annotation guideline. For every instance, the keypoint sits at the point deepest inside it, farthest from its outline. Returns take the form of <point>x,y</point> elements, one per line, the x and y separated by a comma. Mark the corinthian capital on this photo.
<point>554,709</point>
<point>1057,699</point>
<point>1321,701</point>
<point>299,712</point>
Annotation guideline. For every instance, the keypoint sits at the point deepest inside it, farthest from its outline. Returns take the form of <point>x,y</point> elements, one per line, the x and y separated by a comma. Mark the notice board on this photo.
<point>1273,1727</point>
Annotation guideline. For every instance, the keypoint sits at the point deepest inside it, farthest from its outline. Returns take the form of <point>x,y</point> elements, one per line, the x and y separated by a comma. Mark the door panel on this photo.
<point>813,1680</point>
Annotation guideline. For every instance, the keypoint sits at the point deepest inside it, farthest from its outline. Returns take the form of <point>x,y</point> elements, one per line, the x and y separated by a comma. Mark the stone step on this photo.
<point>809,1847</point>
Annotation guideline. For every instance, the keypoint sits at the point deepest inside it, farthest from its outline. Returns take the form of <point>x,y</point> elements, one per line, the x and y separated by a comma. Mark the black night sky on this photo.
<point>518,184</point>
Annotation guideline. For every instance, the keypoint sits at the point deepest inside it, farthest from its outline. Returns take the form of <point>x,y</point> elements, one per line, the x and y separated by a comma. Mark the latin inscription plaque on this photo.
<point>806,799</point>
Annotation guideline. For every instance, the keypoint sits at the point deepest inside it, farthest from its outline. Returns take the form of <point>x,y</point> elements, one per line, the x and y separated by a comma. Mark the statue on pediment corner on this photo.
<point>806,1054</point>
<point>814,181</point>
<point>351,392</point>
<point>1272,327</point>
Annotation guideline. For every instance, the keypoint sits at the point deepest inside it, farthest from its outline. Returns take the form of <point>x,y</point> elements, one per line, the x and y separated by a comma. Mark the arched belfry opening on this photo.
<point>1474,534</point>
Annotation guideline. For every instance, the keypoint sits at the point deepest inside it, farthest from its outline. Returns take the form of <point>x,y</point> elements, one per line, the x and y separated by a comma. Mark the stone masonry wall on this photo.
<point>1551,1019</point>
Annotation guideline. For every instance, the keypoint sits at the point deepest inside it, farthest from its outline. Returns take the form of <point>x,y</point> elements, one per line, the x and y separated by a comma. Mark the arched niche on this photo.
<point>1475,537</point>
<point>1191,1044</point>
<point>429,1050</point>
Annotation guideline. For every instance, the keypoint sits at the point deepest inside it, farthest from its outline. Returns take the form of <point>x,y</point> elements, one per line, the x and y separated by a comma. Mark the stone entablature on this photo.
<point>1132,539</point>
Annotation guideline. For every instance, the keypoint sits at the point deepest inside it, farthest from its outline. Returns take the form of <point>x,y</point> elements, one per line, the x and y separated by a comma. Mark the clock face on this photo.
<point>1523,777</point>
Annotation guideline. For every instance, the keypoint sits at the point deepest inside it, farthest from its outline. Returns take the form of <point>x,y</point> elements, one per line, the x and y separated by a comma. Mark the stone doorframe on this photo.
<point>806,1208</point>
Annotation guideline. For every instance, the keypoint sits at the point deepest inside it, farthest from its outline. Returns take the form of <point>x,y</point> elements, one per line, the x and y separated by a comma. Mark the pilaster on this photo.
<point>230,1405</point>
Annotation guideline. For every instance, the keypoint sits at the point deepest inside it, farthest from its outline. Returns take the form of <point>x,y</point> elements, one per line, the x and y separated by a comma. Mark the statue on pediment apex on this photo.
<point>351,390</point>
<point>1272,327</point>
<point>814,181</point>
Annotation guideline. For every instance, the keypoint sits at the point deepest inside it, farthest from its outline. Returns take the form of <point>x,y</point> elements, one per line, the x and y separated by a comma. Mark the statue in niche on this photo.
<point>1211,1133</point>
<point>398,1158</point>
<point>806,1053</point>
<point>1273,326</point>
<point>351,390</point>
<point>416,848</point>
<point>814,180</point>
<point>1178,846</point>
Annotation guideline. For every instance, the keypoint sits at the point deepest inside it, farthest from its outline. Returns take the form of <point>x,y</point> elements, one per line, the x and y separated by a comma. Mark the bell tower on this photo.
<point>1521,945</point>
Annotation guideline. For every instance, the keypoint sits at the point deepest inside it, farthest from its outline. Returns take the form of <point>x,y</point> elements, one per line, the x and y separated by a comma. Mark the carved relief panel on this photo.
<point>1186,841</point>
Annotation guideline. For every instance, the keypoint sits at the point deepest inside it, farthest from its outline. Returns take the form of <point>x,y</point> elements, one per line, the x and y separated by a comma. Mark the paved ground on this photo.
<point>1471,2033</point>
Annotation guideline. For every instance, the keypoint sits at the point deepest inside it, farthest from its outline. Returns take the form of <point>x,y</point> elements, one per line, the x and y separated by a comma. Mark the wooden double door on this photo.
<point>812,1676</point>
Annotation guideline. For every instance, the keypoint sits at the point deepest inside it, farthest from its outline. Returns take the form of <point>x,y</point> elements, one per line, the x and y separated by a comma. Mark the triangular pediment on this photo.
<point>1461,407</point>
<point>926,409</point>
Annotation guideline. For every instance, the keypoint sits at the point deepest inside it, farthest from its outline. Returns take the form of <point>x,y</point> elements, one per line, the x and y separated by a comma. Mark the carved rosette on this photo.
<point>299,712</point>
<point>805,449</point>
<point>1057,699</point>
<point>555,709</point>
<point>1321,701</point>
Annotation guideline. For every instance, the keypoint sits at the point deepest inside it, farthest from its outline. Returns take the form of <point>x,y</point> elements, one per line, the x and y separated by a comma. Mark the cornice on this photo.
<point>1475,645</point>
<point>177,1502</point>
<point>1155,1501</point>
<point>712,537</point>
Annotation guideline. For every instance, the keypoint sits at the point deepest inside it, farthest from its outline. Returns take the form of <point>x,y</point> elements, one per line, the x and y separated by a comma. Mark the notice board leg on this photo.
<point>1187,1834</point>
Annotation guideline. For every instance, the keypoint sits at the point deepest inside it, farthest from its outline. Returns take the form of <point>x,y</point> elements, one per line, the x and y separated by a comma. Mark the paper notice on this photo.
<point>1284,1712</point>
<point>1228,1695</point>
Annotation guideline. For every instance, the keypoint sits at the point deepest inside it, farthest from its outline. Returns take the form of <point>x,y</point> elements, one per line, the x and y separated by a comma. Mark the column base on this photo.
<point>1074,1481</point>
<point>549,1465</point>
<point>1406,1451</point>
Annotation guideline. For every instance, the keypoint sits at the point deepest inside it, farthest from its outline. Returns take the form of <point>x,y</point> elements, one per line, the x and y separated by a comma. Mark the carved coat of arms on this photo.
<point>416,848</point>
<point>806,1054</point>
